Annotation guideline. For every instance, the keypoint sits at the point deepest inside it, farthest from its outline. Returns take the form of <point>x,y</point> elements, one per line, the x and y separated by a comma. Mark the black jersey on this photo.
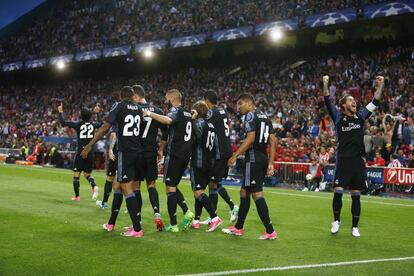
<point>218,117</point>
<point>349,130</point>
<point>203,152</point>
<point>180,133</point>
<point>258,122</point>
<point>149,130</point>
<point>84,130</point>
<point>127,116</point>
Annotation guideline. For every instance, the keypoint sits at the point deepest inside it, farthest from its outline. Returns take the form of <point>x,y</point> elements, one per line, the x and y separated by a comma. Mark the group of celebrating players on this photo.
<point>202,138</point>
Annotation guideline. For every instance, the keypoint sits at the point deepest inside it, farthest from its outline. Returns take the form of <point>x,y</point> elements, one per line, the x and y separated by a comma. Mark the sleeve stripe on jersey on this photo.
<point>371,107</point>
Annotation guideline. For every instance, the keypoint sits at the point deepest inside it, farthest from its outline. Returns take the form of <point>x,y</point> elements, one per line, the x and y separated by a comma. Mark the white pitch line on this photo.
<point>280,268</point>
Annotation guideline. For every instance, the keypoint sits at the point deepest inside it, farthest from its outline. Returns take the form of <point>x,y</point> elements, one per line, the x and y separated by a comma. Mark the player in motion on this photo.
<point>202,161</point>
<point>218,117</point>
<point>259,134</point>
<point>110,170</point>
<point>126,116</point>
<point>350,172</point>
<point>152,154</point>
<point>178,153</point>
<point>85,131</point>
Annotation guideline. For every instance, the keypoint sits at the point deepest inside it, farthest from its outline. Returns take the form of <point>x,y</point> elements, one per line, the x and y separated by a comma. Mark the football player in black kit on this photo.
<point>152,154</point>
<point>110,170</point>
<point>350,172</point>
<point>202,162</point>
<point>259,134</point>
<point>126,116</point>
<point>218,117</point>
<point>85,131</point>
<point>177,156</point>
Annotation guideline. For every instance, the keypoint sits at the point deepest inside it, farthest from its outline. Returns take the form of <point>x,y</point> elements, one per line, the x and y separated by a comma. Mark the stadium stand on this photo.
<point>84,25</point>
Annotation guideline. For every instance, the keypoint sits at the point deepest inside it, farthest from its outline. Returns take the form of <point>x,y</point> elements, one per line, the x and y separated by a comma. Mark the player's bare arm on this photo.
<point>243,148</point>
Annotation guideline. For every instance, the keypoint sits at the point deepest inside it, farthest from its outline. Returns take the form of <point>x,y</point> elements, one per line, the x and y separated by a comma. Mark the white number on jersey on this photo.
<point>129,128</point>
<point>86,131</point>
<point>264,133</point>
<point>226,127</point>
<point>188,129</point>
<point>210,140</point>
<point>147,126</point>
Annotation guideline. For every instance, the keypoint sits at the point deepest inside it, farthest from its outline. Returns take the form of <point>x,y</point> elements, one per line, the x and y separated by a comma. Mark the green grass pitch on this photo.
<point>42,232</point>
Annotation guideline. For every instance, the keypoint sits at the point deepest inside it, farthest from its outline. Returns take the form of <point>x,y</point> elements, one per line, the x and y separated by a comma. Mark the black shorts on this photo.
<point>111,169</point>
<point>128,166</point>
<point>350,173</point>
<point>149,168</point>
<point>200,178</point>
<point>220,170</point>
<point>83,165</point>
<point>253,176</point>
<point>174,169</point>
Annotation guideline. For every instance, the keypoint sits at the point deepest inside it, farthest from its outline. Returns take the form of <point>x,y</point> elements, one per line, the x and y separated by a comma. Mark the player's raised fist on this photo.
<point>380,81</point>
<point>325,80</point>
<point>96,109</point>
<point>60,108</point>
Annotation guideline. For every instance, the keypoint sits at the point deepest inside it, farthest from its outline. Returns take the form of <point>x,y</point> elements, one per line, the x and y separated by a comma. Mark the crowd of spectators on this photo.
<point>75,26</point>
<point>293,100</point>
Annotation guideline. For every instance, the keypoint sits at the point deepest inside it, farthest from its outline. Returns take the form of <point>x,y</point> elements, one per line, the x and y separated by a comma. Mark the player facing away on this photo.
<point>85,131</point>
<point>350,172</point>
<point>259,134</point>
<point>110,170</point>
<point>178,153</point>
<point>218,117</point>
<point>202,162</point>
<point>152,154</point>
<point>126,116</point>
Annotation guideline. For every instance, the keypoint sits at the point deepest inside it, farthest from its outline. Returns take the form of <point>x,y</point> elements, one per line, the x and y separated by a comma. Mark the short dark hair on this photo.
<point>211,96</point>
<point>86,114</point>
<point>201,108</point>
<point>343,100</point>
<point>247,97</point>
<point>139,90</point>
<point>127,92</point>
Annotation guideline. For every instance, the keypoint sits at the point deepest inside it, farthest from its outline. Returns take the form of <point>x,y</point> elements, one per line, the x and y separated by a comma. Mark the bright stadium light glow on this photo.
<point>276,34</point>
<point>148,53</point>
<point>60,65</point>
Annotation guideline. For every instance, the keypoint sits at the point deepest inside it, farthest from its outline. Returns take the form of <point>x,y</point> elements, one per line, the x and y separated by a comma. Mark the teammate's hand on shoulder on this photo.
<point>60,108</point>
<point>146,113</point>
